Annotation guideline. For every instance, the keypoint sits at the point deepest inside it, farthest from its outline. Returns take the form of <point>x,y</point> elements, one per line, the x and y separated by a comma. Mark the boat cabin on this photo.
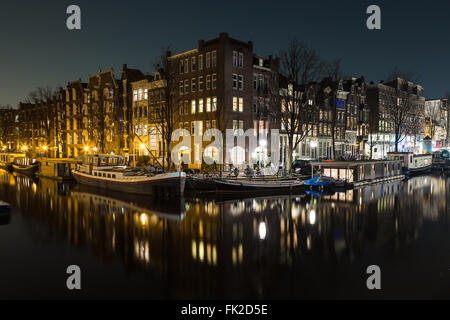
<point>6,158</point>
<point>107,161</point>
<point>356,171</point>
<point>410,160</point>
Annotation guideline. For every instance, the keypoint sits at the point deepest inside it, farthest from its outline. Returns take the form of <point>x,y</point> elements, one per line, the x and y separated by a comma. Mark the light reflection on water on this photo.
<point>314,245</point>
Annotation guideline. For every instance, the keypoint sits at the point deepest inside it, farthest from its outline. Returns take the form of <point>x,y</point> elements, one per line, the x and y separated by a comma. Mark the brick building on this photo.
<point>385,96</point>
<point>216,89</point>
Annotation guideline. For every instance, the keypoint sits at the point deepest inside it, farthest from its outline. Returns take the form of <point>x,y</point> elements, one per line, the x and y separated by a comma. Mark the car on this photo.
<point>302,166</point>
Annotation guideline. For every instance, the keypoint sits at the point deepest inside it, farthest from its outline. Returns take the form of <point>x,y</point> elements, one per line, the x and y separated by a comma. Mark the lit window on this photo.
<point>186,65</point>
<point>214,104</point>
<point>208,104</point>
<point>208,82</point>
<point>200,62</point>
<point>214,80</point>
<point>145,94</point>
<point>208,59</point>
<point>140,94</point>
<point>200,105</point>
<point>241,104</point>
<point>193,106</point>
<point>214,58</point>
<point>235,104</point>
<point>193,63</point>
<point>135,95</point>
<point>200,84</point>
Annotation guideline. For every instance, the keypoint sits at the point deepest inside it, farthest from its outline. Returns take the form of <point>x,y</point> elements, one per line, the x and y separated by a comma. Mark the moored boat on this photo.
<point>223,185</point>
<point>327,182</point>
<point>7,159</point>
<point>111,173</point>
<point>413,163</point>
<point>25,165</point>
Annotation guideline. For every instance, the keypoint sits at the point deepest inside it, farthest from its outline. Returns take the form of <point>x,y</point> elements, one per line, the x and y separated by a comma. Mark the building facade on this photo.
<point>437,122</point>
<point>395,97</point>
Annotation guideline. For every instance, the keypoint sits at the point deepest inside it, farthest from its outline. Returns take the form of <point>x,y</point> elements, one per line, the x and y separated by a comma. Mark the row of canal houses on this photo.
<point>221,84</point>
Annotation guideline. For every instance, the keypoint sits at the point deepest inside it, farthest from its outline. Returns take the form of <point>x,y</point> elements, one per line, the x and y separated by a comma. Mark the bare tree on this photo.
<point>299,66</point>
<point>333,69</point>
<point>396,72</point>
<point>43,96</point>
<point>434,112</point>
<point>6,124</point>
<point>401,112</point>
<point>168,115</point>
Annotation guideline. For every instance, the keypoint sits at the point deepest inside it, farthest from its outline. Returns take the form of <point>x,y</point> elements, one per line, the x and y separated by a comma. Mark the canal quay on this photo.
<point>299,246</point>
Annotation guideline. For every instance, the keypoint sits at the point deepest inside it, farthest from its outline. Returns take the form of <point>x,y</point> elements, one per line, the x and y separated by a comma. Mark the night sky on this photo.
<point>36,48</point>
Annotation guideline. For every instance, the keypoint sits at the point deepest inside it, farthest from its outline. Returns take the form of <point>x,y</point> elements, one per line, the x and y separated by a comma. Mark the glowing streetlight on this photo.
<point>142,146</point>
<point>86,148</point>
<point>313,144</point>
<point>24,148</point>
<point>95,149</point>
<point>44,148</point>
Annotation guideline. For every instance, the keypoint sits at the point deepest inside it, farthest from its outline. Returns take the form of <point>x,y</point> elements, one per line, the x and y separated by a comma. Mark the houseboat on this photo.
<point>441,160</point>
<point>7,159</point>
<point>57,169</point>
<point>358,173</point>
<point>25,165</point>
<point>413,163</point>
<point>112,173</point>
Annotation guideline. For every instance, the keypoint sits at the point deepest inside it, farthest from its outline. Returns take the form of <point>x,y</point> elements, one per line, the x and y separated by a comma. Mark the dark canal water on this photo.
<point>284,247</point>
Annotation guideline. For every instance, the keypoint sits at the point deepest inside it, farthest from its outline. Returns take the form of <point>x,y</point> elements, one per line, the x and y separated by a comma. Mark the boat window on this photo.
<point>109,176</point>
<point>114,176</point>
<point>104,175</point>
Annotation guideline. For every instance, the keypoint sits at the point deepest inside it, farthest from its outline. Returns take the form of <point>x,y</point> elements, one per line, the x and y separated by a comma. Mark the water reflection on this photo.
<point>297,246</point>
